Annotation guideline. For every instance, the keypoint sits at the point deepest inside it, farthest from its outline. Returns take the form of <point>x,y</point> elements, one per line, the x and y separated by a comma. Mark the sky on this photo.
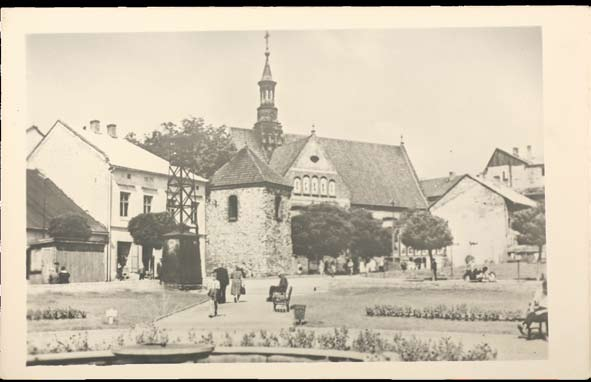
<point>452,94</point>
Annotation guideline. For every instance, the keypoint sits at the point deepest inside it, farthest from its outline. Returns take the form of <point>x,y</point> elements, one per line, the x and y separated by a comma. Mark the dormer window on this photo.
<point>314,158</point>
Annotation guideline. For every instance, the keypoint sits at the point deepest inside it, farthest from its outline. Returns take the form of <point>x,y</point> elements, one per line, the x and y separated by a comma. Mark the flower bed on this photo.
<point>377,347</point>
<point>456,312</point>
<point>55,314</point>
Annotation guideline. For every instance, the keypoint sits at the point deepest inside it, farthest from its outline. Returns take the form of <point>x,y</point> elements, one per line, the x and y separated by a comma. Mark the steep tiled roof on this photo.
<point>436,187</point>
<point>284,156</point>
<point>246,168</point>
<point>45,200</point>
<point>376,174</point>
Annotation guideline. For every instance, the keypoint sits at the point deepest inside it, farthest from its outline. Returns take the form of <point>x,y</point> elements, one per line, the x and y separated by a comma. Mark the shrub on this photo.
<point>336,340</point>
<point>455,312</point>
<point>369,342</point>
<point>55,314</point>
<point>299,338</point>
<point>150,334</point>
<point>69,226</point>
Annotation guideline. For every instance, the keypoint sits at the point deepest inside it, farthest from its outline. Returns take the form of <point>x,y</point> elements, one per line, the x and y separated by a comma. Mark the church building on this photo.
<point>275,174</point>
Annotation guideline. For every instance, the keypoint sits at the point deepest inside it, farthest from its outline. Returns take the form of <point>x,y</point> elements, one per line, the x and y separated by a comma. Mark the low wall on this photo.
<point>219,355</point>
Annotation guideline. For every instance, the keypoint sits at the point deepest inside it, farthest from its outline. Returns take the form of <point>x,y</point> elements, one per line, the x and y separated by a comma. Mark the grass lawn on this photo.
<point>345,305</point>
<point>133,306</point>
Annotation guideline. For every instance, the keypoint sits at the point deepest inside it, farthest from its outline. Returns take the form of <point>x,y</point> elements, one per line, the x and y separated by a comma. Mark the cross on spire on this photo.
<point>267,42</point>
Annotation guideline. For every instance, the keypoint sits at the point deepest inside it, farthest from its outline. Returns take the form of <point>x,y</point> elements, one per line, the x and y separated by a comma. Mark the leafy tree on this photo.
<point>202,148</point>
<point>423,231</point>
<point>530,225</point>
<point>321,230</point>
<point>369,238</point>
<point>69,226</point>
<point>148,229</point>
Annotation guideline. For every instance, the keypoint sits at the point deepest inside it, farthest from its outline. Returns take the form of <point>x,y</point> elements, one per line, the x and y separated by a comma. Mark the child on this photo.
<point>213,287</point>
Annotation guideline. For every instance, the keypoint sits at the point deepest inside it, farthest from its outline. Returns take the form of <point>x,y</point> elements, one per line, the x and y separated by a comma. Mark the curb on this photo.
<point>179,310</point>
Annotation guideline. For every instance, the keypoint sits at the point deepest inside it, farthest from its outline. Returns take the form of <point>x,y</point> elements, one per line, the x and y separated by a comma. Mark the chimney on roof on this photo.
<point>451,175</point>
<point>112,130</point>
<point>530,155</point>
<point>516,151</point>
<point>95,126</point>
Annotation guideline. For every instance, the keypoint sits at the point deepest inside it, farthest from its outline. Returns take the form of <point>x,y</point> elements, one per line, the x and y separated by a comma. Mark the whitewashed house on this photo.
<point>479,216</point>
<point>113,180</point>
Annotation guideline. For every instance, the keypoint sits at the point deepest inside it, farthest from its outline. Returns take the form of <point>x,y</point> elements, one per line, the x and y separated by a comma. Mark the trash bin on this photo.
<point>299,312</point>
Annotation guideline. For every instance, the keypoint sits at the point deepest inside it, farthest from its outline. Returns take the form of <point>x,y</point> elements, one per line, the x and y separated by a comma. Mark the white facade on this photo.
<point>479,220</point>
<point>87,169</point>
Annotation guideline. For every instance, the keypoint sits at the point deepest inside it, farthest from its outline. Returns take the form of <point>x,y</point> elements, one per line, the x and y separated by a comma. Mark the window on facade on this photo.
<point>332,189</point>
<point>123,203</point>
<point>306,184</point>
<point>194,208</point>
<point>233,208</point>
<point>147,204</point>
<point>314,158</point>
<point>323,186</point>
<point>314,185</point>
<point>504,176</point>
<point>297,186</point>
<point>278,214</point>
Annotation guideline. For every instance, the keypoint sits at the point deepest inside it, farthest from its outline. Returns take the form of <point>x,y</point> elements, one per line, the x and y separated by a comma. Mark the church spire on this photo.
<point>267,127</point>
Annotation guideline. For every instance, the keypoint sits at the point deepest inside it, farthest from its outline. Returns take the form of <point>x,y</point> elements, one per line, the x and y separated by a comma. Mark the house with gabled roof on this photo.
<point>113,180</point>
<point>479,215</point>
<point>523,173</point>
<point>84,260</point>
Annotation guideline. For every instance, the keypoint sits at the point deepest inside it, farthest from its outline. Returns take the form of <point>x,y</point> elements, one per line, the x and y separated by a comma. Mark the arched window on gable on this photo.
<point>323,186</point>
<point>232,208</point>
<point>306,184</point>
<point>332,189</point>
<point>314,185</point>
<point>297,186</point>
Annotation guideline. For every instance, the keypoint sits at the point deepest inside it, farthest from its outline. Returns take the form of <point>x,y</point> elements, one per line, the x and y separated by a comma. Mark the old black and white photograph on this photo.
<point>284,195</point>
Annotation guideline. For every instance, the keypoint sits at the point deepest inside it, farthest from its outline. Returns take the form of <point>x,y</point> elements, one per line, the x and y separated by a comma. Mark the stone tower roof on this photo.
<point>246,169</point>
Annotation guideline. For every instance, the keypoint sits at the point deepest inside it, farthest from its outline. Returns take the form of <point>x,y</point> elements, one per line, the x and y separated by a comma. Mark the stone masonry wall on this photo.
<point>256,241</point>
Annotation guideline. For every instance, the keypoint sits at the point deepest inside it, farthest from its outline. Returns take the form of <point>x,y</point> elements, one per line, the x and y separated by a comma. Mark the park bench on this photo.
<point>282,300</point>
<point>540,319</point>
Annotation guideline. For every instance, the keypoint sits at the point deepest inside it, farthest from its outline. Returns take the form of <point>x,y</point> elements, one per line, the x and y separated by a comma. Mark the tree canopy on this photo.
<point>321,230</point>
<point>202,148</point>
<point>423,231</point>
<point>530,225</point>
<point>369,238</point>
<point>69,226</point>
<point>148,229</point>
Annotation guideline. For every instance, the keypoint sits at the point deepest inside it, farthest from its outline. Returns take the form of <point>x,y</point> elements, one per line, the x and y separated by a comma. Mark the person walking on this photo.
<point>213,287</point>
<point>333,268</point>
<point>224,279</point>
<point>350,267</point>
<point>236,284</point>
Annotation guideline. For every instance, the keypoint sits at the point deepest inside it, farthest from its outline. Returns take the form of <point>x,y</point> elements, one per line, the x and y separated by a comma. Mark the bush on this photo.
<point>336,340</point>
<point>455,312</point>
<point>69,226</point>
<point>150,334</point>
<point>369,342</point>
<point>55,314</point>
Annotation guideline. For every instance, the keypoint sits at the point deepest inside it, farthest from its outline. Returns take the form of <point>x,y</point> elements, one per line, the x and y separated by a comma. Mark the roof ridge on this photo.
<point>414,175</point>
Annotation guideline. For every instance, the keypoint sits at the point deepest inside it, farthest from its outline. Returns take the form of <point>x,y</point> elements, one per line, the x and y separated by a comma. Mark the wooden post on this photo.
<point>518,261</point>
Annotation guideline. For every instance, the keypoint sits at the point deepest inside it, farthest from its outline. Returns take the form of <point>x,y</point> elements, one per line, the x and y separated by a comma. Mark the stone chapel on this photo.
<point>274,174</point>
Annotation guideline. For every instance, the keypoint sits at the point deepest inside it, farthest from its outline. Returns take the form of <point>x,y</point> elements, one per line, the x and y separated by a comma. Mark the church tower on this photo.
<point>267,128</point>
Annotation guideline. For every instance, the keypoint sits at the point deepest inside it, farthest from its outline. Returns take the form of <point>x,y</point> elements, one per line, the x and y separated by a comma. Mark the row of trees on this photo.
<point>328,230</point>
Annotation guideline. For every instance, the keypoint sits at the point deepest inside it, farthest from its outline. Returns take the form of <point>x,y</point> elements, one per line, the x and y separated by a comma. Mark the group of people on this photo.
<point>217,284</point>
<point>479,274</point>
<point>59,275</point>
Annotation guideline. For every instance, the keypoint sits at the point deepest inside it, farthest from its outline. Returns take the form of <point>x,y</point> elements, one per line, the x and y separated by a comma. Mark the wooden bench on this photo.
<point>282,299</point>
<point>539,319</point>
